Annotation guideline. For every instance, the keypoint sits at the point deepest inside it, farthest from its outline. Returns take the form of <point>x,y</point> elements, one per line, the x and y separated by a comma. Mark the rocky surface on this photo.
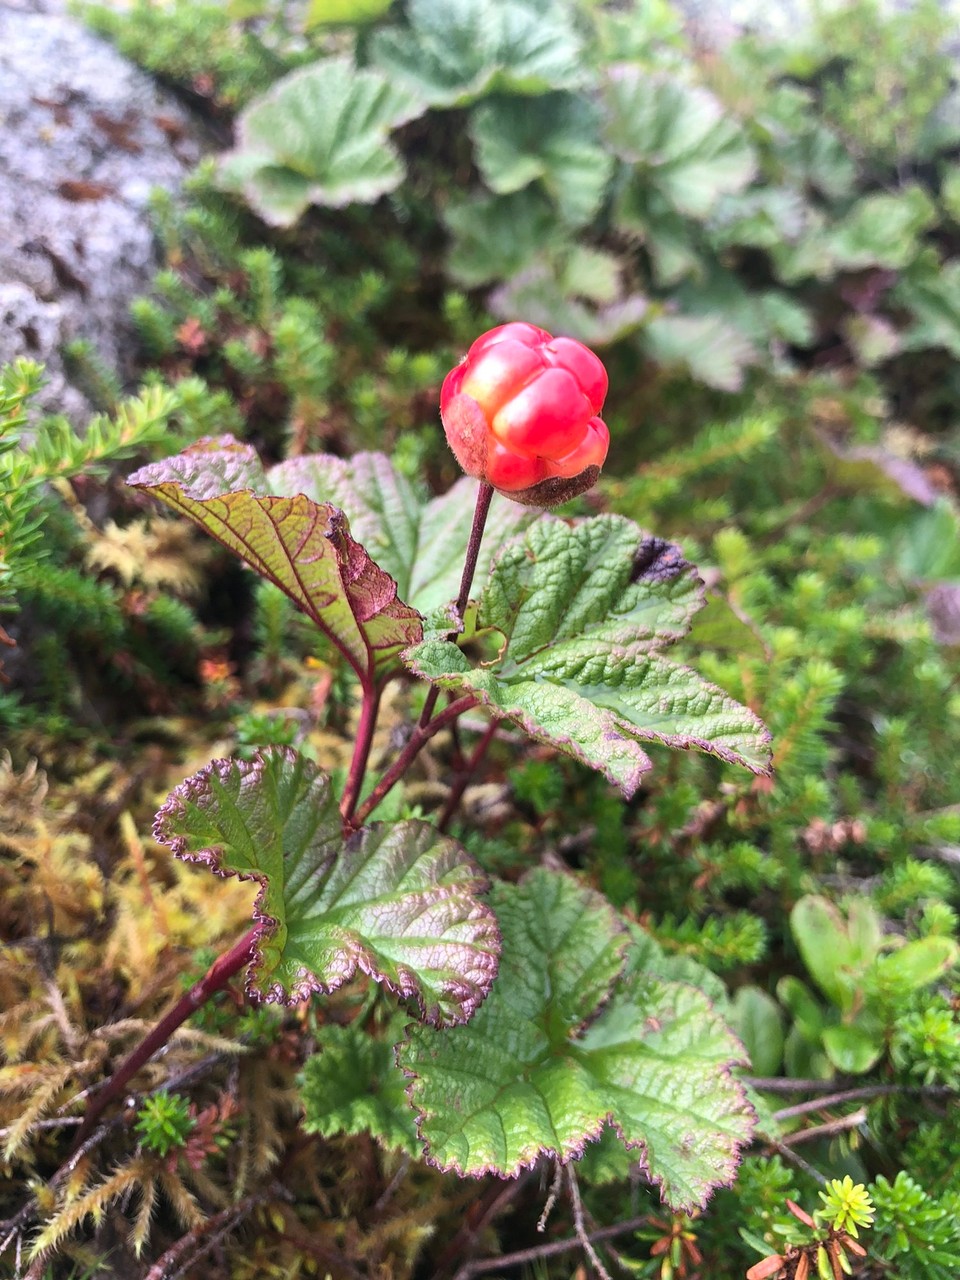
<point>84,138</point>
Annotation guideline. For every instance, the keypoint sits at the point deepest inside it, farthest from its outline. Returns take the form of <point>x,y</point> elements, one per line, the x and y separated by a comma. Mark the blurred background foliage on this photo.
<point>762,238</point>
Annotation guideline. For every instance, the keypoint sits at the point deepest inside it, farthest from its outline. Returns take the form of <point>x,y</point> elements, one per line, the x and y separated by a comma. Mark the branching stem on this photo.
<point>415,744</point>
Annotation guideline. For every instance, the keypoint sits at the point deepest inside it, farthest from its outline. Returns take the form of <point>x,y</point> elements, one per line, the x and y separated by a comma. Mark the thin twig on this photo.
<point>860,1095</point>
<point>195,1238</point>
<point>580,1226</point>
<point>852,1121</point>
<point>523,1256</point>
<point>415,745</point>
<point>465,774</point>
<point>783,1084</point>
<point>796,1159</point>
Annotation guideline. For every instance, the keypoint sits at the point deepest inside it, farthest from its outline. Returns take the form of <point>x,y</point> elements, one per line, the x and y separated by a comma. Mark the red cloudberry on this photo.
<point>520,412</point>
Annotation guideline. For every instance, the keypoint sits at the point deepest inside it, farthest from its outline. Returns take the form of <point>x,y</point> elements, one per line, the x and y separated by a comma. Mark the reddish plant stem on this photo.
<point>361,750</point>
<point>465,774</point>
<point>215,979</point>
<point>418,739</point>
<point>484,497</point>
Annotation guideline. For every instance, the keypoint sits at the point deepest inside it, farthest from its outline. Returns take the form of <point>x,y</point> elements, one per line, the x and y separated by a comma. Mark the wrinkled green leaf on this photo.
<point>579,611</point>
<point>455,51</point>
<point>301,546</point>
<point>353,1085</point>
<point>396,901</point>
<point>422,547</point>
<point>319,136</point>
<point>552,140</point>
<point>536,1072</point>
<point>678,136</point>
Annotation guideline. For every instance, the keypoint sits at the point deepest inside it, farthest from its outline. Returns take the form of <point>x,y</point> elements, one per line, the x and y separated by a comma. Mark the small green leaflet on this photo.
<point>353,1086</point>
<point>319,136</point>
<point>302,546</point>
<point>396,901</point>
<point>580,611</point>
<point>422,547</point>
<point>455,51</point>
<point>547,1061</point>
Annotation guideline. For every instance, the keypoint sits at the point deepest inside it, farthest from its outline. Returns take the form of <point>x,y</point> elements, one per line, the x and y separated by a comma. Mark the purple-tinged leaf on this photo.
<point>302,546</point>
<point>396,901</point>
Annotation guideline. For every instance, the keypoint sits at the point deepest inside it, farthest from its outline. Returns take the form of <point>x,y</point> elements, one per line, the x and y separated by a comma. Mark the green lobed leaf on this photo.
<point>580,611</point>
<point>714,352</point>
<point>677,134</point>
<point>396,901</point>
<point>455,51</point>
<point>353,1085</point>
<point>421,546</point>
<point>544,295</point>
<point>494,237</point>
<point>547,1060</point>
<point>303,547</point>
<point>552,140</point>
<point>319,136</point>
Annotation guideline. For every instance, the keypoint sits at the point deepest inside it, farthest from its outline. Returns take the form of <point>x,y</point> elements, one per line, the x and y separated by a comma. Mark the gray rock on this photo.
<point>84,137</point>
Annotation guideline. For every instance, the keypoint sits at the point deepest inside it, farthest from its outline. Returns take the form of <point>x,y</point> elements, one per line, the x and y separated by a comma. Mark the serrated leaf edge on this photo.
<point>309,983</point>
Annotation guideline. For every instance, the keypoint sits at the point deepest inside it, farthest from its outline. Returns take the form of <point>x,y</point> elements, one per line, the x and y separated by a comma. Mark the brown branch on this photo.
<point>863,1094</point>
<point>218,1225</point>
<point>523,1256</point>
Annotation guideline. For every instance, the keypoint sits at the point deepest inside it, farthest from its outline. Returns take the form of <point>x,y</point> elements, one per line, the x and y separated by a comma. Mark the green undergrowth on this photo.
<point>762,244</point>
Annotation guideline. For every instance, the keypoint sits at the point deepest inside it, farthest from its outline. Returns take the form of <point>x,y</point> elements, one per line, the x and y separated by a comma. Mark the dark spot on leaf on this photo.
<point>657,561</point>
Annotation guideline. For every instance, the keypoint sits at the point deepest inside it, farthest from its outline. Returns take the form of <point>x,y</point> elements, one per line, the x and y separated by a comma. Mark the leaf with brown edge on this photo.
<point>583,611</point>
<point>396,900</point>
<point>303,547</point>
<point>578,1034</point>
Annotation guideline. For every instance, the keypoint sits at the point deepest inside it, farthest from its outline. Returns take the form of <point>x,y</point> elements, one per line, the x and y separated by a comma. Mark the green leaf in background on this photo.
<point>353,1085</point>
<point>552,140</point>
<point>930,292</point>
<point>708,346</point>
<point>678,135</point>
<point>837,949</point>
<point>455,51</point>
<point>421,546</point>
<point>545,293</point>
<point>852,1048</point>
<point>755,1017</point>
<point>396,901</point>
<point>301,546</point>
<point>319,136</point>
<point>333,13</point>
<point>928,547</point>
<point>525,1078</point>
<point>579,611</point>
<point>494,237</point>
